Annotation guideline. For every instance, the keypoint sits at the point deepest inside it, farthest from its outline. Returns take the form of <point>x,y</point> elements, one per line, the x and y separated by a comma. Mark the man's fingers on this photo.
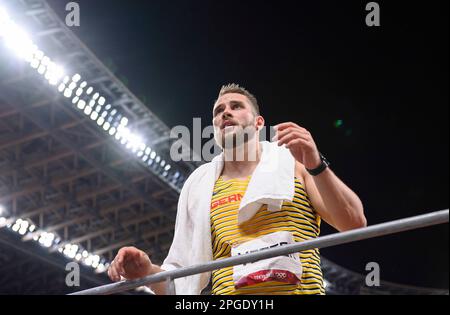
<point>120,265</point>
<point>113,274</point>
<point>281,133</point>
<point>291,136</point>
<point>285,125</point>
<point>295,141</point>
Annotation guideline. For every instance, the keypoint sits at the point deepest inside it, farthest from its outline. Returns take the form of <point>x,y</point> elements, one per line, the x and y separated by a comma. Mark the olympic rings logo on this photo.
<point>280,275</point>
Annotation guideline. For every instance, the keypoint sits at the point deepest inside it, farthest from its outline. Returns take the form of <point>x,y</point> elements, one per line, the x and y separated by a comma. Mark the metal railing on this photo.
<point>378,230</point>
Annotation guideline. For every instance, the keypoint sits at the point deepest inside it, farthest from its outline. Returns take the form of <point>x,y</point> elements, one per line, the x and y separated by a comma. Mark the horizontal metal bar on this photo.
<point>382,229</point>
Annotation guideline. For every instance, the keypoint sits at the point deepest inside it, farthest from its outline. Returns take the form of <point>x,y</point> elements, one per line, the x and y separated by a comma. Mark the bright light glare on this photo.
<point>55,73</point>
<point>17,40</point>
<point>3,16</point>
<point>76,78</point>
<point>81,104</point>
<point>46,239</point>
<point>124,121</point>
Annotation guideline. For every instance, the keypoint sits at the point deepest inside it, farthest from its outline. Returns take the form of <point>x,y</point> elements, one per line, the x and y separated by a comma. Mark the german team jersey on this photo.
<point>297,217</point>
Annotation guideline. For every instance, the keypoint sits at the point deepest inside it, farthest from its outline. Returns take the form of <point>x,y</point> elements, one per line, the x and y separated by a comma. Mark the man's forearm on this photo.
<point>347,209</point>
<point>160,287</point>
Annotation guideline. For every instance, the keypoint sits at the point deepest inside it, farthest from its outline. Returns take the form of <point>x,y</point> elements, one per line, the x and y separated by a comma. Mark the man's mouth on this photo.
<point>226,124</point>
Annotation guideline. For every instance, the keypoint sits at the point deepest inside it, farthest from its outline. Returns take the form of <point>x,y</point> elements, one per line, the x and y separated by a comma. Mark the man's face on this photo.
<point>232,113</point>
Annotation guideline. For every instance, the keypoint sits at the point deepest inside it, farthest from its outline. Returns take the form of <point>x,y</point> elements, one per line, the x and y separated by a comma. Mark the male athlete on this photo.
<point>281,206</point>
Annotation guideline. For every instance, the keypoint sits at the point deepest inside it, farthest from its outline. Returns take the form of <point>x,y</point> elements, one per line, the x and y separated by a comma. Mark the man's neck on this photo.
<point>241,162</point>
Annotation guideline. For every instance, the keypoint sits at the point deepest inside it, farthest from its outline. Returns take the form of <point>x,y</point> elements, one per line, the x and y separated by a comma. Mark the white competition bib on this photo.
<point>286,269</point>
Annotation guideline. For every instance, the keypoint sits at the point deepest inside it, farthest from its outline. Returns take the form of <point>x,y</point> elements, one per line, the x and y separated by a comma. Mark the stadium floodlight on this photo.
<point>72,85</point>
<point>124,121</point>
<point>94,115</point>
<point>23,227</point>
<point>106,126</point>
<point>45,61</point>
<point>134,141</point>
<point>89,260</point>
<point>101,101</point>
<point>111,120</point>
<point>42,69</point>
<point>46,239</point>
<point>68,93</point>
<point>100,121</point>
<point>54,73</point>
<point>79,91</point>
<point>76,78</point>
<point>18,40</point>
<point>70,250</point>
<point>88,110</point>
<point>4,17</point>
<point>100,268</point>
<point>35,63</point>
<point>112,131</point>
<point>81,104</point>
<point>15,227</point>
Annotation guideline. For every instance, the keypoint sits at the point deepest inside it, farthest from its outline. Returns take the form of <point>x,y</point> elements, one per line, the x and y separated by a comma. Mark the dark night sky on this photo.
<point>312,63</point>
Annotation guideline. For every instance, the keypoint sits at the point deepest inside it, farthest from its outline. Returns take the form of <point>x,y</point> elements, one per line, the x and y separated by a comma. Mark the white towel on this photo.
<point>272,183</point>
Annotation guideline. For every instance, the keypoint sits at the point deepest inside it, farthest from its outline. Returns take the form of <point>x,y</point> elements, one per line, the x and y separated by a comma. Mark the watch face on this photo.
<point>327,163</point>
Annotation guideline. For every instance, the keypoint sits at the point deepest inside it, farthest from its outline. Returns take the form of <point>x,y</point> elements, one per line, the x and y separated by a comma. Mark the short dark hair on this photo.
<point>235,88</point>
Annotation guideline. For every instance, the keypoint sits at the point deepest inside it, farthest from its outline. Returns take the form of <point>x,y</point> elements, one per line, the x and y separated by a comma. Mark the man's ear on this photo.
<point>260,123</point>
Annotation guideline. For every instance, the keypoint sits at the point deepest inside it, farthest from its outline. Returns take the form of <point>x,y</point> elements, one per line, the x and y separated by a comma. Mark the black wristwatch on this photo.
<point>323,165</point>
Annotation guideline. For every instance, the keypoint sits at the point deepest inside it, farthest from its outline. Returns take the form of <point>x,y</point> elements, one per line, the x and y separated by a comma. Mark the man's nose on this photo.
<point>226,114</point>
